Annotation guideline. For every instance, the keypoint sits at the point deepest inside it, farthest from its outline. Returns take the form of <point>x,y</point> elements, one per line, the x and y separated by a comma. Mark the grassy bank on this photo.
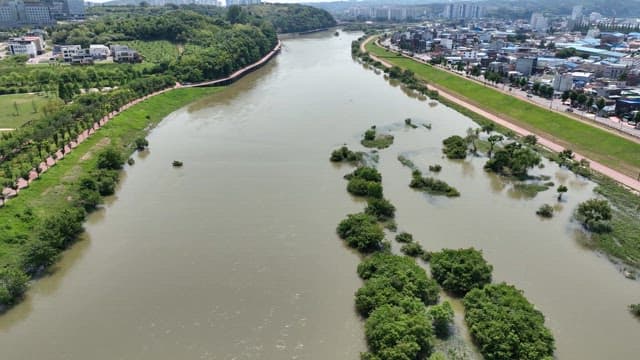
<point>22,216</point>
<point>17,109</point>
<point>611,150</point>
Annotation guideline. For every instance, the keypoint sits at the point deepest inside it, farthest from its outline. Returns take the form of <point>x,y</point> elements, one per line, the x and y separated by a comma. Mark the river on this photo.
<point>234,256</point>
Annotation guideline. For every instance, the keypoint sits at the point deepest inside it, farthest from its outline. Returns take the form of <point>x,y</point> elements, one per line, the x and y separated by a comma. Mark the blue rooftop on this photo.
<point>590,50</point>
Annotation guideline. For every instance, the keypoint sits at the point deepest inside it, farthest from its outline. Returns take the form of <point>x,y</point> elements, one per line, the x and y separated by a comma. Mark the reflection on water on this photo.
<point>234,256</point>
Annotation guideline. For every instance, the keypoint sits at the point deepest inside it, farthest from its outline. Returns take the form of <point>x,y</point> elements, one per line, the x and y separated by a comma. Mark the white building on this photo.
<point>20,46</point>
<point>595,16</point>
<point>446,43</point>
<point>243,2</point>
<point>539,22</point>
<point>562,82</point>
<point>69,51</point>
<point>99,51</point>
<point>576,12</point>
<point>463,11</point>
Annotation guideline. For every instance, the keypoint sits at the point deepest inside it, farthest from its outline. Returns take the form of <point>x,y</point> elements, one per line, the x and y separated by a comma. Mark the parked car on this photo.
<point>568,110</point>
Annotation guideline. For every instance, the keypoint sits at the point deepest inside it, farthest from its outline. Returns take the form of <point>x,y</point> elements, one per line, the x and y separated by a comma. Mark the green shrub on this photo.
<point>13,283</point>
<point>370,134</point>
<point>505,325</point>
<point>404,273</point>
<point>361,187</point>
<point>594,215</point>
<point>61,229</point>
<point>406,162</point>
<point>392,333</point>
<point>545,211</point>
<point>361,231</point>
<point>513,160</point>
<point>455,147</point>
<point>344,154</point>
<point>365,173</point>
<point>442,318</point>
<point>382,209</point>
<point>36,255</point>
<point>141,143</point>
<point>110,159</point>
<point>459,271</point>
<point>404,237</point>
<point>106,181</point>
<point>412,249</point>
<point>88,199</point>
<point>432,186</point>
<point>378,141</point>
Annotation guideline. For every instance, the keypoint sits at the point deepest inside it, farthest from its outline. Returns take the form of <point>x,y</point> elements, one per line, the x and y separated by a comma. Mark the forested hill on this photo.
<point>211,45</point>
<point>291,18</point>
<point>286,18</point>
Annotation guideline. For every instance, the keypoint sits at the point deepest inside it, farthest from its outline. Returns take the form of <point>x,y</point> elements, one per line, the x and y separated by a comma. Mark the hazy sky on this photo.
<point>270,1</point>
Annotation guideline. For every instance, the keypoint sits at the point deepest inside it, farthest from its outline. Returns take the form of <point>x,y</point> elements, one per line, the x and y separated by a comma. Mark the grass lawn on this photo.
<point>607,148</point>
<point>20,218</point>
<point>25,104</point>
<point>155,51</point>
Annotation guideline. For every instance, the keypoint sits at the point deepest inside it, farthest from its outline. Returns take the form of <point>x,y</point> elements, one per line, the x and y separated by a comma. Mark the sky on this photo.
<point>270,1</point>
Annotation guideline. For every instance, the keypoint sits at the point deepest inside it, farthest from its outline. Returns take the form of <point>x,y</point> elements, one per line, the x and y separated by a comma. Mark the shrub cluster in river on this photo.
<point>505,325</point>
<point>396,291</point>
<point>343,154</point>
<point>374,140</point>
<point>431,185</point>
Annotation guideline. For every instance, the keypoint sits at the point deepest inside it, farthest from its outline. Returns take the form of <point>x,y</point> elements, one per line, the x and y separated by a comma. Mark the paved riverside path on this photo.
<point>596,166</point>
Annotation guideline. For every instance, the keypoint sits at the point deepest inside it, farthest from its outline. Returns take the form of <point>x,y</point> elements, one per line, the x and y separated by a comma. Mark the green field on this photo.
<point>597,144</point>
<point>155,51</point>
<point>22,215</point>
<point>25,104</point>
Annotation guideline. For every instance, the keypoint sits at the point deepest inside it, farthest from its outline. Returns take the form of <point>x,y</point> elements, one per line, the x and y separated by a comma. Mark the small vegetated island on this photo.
<point>431,185</point>
<point>343,154</point>
<point>374,140</point>
<point>177,44</point>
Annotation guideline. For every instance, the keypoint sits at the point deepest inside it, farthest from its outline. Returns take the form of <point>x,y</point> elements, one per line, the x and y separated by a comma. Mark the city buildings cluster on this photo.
<point>600,64</point>
<point>408,13</point>
<point>243,2</point>
<point>32,44</point>
<point>38,12</point>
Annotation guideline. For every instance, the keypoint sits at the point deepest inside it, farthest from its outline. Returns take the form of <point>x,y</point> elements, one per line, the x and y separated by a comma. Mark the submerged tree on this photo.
<point>561,189</point>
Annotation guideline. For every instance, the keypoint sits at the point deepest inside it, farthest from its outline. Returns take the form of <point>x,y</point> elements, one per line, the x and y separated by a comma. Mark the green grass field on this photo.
<point>25,104</point>
<point>607,148</point>
<point>21,216</point>
<point>155,51</point>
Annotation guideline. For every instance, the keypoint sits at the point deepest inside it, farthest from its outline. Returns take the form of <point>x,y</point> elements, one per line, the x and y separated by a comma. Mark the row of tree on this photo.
<point>24,149</point>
